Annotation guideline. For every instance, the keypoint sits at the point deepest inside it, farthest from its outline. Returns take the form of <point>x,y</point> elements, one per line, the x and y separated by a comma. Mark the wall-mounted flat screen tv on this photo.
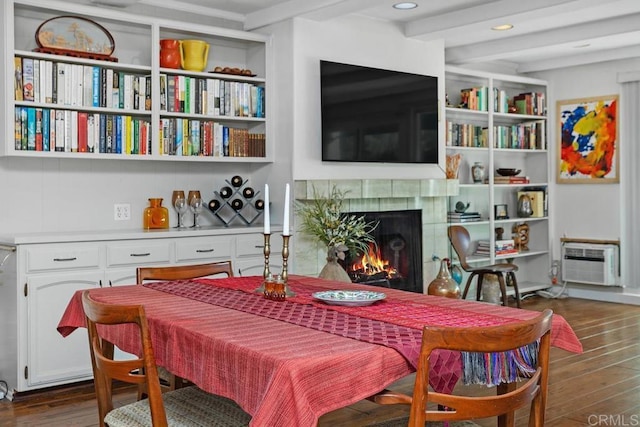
<point>377,115</point>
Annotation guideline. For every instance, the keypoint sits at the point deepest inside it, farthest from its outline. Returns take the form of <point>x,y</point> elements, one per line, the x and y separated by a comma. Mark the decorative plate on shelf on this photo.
<point>349,298</point>
<point>75,34</point>
<point>233,71</point>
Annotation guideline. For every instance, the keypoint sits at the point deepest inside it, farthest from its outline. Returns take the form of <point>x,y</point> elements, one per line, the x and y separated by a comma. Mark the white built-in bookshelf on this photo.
<point>500,121</point>
<point>127,106</point>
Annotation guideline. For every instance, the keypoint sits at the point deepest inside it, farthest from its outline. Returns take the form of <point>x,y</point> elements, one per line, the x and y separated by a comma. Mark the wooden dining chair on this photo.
<point>492,339</point>
<point>181,272</point>
<point>461,242</point>
<point>187,406</point>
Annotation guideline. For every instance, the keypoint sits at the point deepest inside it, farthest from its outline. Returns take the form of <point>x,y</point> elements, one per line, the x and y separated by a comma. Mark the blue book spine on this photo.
<point>103,134</point>
<point>96,89</point>
<point>119,134</point>
<point>45,130</point>
<point>31,128</point>
<point>225,140</point>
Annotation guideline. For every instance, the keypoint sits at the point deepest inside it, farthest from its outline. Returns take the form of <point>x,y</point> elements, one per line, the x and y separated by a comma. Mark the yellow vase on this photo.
<point>193,55</point>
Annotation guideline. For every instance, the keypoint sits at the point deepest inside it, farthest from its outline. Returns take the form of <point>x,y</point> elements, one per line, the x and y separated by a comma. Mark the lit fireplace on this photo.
<point>396,259</point>
<point>372,267</point>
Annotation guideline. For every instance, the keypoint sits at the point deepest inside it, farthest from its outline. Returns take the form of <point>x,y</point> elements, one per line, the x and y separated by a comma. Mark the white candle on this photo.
<point>285,223</point>
<point>267,221</point>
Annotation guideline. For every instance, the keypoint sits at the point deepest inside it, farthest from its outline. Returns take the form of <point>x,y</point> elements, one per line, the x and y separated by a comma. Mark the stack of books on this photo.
<point>511,180</point>
<point>464,216</point>
<point>502,247</point>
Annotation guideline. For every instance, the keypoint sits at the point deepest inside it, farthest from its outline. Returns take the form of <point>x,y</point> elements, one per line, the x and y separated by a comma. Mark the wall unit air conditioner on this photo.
<point>595,264</point>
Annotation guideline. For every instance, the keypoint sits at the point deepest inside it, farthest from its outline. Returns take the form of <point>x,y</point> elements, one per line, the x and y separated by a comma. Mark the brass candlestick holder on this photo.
<point>266,251</point>
<point>285,274</point>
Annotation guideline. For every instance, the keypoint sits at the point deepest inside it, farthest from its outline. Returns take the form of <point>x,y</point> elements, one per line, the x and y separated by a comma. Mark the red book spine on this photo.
<point>82,132</point>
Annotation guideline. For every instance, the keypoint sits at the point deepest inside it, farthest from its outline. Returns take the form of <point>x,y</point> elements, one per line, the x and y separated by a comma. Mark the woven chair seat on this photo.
<point>185,407</point>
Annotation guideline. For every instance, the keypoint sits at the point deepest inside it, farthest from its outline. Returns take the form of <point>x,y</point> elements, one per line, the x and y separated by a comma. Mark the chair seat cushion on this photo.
<point>186,407</point>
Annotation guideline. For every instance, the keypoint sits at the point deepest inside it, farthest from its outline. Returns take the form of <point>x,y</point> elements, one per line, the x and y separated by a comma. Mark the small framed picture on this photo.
<point>501,212</point>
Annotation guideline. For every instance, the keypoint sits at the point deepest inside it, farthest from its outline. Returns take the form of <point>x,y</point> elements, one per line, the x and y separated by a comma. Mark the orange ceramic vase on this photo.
<point>156,215</point>
<point>170,53</point>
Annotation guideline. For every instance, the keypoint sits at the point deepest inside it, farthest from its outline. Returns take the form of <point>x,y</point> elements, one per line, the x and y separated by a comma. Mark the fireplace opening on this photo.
<point>396,262</point>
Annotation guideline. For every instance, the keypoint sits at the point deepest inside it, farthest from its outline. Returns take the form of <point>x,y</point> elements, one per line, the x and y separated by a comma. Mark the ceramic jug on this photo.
<point>170,56</point>
<point>193,55</point>
<point>444,285</point>
<point>155,215</point>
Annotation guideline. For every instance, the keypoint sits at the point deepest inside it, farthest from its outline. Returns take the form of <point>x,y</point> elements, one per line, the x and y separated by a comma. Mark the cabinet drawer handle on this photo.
<point>204,251</point>
<point>259,246</point>
<point>144,254</point>
<point>65,259</point>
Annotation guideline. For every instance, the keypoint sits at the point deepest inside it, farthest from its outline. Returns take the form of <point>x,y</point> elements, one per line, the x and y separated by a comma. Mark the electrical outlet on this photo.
<point>122,212</point>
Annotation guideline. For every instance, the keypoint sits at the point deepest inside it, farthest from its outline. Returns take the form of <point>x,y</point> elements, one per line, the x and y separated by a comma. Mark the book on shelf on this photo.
<point>511,180</point>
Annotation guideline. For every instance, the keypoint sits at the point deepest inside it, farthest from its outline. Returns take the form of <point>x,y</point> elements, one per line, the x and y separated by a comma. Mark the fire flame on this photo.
<point>372,263</point>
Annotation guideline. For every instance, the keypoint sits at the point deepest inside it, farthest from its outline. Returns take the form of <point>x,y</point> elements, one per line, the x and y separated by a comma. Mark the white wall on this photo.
<point>586,210</point>
<point>356,41</point>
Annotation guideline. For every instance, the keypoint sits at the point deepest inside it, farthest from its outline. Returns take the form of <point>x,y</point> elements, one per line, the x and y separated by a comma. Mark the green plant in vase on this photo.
<point>324,219</point>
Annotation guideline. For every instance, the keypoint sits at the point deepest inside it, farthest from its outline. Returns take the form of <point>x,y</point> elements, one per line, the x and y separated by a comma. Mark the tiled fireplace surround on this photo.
<point>427,195</point>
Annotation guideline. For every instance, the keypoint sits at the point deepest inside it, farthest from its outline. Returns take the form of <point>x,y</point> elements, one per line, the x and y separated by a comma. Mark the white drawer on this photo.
<point>253,245</point>
<point>60,257</point>
<point>203,248</point>
<point>138,253</point>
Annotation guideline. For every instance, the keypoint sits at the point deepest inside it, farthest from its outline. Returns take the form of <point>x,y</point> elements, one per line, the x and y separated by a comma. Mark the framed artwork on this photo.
<point>588,140</point>
<point>501,211</point>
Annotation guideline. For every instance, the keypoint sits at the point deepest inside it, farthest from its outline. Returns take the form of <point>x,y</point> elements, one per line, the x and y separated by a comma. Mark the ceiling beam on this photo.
<point>283,11</point>
<point>582,59</point>
<point>485,16</point>
<point>516,45</point>
<point>195,9</point>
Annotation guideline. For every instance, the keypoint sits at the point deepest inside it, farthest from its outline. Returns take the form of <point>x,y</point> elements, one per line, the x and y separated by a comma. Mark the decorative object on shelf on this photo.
<point>324,219</point>
<point>233,71</point>
<point>461,207</point>
<point>179,203</point>
<point>194,201</point>
<point>444,285</point>
<point>155,215</point>
<point>236,201</point>
<point>525,210</point>
<point>75,36</point>
<point>194,54</point>
<point>588,134</point>
<point>170,56</point>
<point>521,236</point>
<point>453,165</point>
<point>478,173</point>
<point>501,211</point>
<point>508,172</point>
<point>499,232</point>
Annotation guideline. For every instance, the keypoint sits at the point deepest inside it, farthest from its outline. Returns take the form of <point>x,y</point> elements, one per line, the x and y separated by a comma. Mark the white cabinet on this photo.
<point>499,122</point>
<point>92,107</point>
<point>38,282</point>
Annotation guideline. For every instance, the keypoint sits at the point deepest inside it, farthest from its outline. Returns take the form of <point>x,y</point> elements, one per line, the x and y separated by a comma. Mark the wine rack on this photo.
<point>236,201</point>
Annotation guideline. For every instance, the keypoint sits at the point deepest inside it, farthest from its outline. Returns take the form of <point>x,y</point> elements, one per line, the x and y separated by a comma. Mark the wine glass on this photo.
<point>180,205</point>
<point>191,195</point>
<point>196,207</point>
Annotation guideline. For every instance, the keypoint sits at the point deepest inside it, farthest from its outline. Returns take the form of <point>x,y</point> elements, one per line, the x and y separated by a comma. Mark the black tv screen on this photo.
<point>376,115</point>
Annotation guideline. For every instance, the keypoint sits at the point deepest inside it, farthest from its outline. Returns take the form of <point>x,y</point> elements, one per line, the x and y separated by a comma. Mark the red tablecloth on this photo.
<point>281,373</point>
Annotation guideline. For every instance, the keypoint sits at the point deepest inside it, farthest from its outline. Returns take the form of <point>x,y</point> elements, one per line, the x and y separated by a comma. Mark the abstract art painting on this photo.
<point>588,140</point>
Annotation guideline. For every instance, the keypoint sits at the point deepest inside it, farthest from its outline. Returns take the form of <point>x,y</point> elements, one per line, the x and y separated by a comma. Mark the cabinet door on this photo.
<point>120,276</point>
<point>50,358</point>
<point>250,254</point>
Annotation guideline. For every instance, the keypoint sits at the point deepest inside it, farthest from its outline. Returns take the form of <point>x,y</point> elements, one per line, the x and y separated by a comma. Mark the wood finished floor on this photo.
<point>602,382</point>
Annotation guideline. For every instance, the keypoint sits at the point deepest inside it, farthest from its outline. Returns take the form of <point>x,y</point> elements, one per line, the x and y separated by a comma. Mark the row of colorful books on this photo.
<point>44,129</point>
<point>61,83</point>
<point>477,98</point>
<point>191,137</point>
<point>466,135</point>
<point>212,97</point>
<point>529,135</point>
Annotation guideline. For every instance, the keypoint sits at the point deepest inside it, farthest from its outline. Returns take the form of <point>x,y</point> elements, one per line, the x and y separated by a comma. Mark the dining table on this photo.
<point>288,362</point>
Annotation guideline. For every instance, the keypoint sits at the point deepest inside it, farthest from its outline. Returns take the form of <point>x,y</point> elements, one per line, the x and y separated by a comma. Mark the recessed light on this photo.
<point>405,5</point>
<point>503,27</point>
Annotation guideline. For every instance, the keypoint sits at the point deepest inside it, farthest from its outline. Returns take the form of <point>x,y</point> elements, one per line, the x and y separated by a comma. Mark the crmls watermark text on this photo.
<point>613,420</point>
